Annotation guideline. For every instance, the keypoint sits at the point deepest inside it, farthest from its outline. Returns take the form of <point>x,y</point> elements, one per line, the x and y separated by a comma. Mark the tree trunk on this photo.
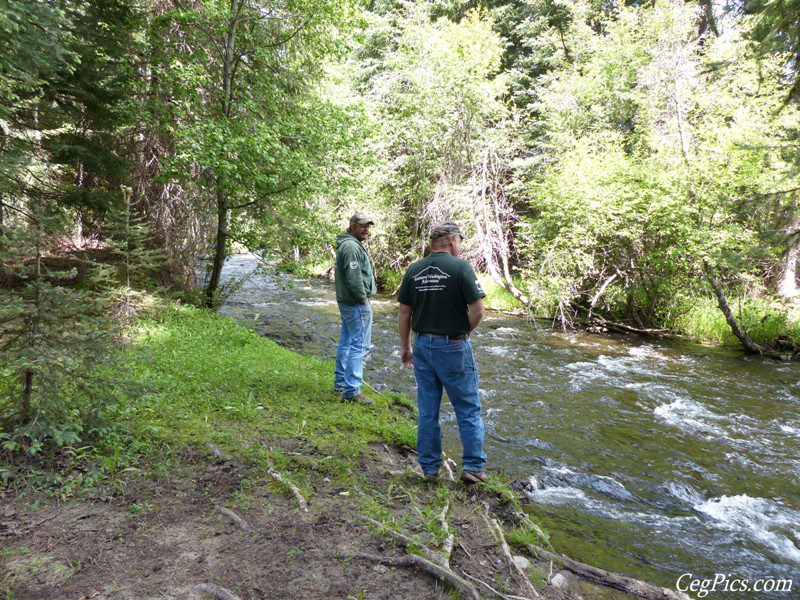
<point>25,411</point>
<point>223,210</point>
<point>749,346</point>
<point>787,277</point>
<point>2,245</point>
<point>220,246</point>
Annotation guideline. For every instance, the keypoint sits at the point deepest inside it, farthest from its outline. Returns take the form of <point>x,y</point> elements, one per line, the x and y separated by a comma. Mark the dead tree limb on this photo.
<point>403,539</point>
<point>291,487</point>
<point>413,561</point>
<point>491,589</point>
<point>749,346</point>
<point>236,519</point>
<point>497,533</point>
<point>447,547</point>
<point>607,579</point>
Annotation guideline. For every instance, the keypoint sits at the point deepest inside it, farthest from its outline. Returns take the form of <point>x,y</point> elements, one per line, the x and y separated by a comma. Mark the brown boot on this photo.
<point>362,398</point>
<point>473,476</point>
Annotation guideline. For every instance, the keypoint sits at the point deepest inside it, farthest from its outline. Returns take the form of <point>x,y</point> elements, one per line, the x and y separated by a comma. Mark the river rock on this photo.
<point>558,581</point>
<point>522,562</point>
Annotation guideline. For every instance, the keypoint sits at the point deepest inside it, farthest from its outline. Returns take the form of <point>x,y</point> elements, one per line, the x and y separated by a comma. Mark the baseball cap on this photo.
<point>361,218</point>
<point>445,230</point>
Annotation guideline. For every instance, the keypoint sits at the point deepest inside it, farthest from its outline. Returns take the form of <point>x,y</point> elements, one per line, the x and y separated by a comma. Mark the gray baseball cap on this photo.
<point>361,218</point>
<point>445,230</point>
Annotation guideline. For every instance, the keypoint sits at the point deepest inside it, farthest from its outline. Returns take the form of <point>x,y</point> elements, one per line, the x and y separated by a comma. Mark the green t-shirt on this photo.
<point>438,289</point>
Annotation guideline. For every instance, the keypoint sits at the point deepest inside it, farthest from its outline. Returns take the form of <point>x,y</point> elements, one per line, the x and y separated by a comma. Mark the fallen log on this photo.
<point>608,579</point>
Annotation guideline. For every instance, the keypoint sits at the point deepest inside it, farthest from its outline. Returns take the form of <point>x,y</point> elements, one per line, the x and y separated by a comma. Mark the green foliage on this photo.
<point>654,165</point>
<point>434,91</point>
<point>498,297</point>
<point>776,28</point>
<point>765,321</point>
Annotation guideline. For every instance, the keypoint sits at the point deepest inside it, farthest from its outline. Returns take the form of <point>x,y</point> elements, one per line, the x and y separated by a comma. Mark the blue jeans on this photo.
<point>440,363</point>
<point>354,341</point>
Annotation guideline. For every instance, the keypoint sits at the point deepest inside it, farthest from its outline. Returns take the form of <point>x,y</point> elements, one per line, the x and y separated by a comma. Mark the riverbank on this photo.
<point>236,467</point>
<point>773,323</point>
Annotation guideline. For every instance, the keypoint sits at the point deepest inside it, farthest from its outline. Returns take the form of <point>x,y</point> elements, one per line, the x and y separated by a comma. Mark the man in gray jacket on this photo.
<point>355,283</point>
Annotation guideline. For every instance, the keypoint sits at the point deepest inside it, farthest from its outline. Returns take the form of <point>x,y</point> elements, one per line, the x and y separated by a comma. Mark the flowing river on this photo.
<point>648,458</point>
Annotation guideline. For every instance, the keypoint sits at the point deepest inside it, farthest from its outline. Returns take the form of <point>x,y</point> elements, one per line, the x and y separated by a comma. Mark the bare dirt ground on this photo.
<point>162,537</point>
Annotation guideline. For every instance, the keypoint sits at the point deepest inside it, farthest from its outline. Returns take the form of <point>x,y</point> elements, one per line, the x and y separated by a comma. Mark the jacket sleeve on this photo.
<point>352,273</point>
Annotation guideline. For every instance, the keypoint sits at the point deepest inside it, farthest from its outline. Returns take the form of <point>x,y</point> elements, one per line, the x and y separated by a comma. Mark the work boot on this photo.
<point>473,476</point>
<point>362,398</point>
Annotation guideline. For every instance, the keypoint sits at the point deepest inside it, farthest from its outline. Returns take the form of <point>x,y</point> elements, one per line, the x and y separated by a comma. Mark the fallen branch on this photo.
<point>216,592</point>
<point>405,540</point>
<point>450,467</point>
<point>450,539</point>
<point>497,532</point>
<point>607,579</point>
<point>413,561</point>
<point>291,487</point>
<point>526,520</point>
<point>243,525</point>
<point>492,590</point>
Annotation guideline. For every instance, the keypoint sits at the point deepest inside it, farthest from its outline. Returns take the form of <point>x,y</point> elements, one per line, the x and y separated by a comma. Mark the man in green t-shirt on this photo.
<point>442,301</point>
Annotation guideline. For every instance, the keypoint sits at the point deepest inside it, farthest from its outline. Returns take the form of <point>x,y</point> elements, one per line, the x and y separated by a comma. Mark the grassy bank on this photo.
<point>220,419</point>
<point>209,379</point>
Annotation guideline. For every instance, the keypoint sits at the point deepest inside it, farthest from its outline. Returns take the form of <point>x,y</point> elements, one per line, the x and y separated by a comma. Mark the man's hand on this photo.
<point>408,358</point>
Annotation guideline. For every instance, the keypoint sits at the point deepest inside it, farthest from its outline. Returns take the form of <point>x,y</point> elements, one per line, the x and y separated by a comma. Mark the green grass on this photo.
<point>498,297</point>
<point>209,379</point>
<point>191,377</point>
<point>765,321</point>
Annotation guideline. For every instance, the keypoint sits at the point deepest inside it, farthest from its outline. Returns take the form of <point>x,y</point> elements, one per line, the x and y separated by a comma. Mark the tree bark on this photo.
<point>2,245</point>
<point>220,247</point>
<point>223,210</point>
<point>748,345</point>
<point>25,407</point>
<point>787,277</point>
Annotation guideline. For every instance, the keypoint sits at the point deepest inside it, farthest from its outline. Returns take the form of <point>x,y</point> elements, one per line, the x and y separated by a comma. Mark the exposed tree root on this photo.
<point>492,590</point>
<point>526,521</point>
<point>450,539</point>
<point>237,520</point>
<point>497,533</point>
<point>434,562</point>
<point>449,466</point>
<point>612,580</point>
<point>403,539</point>
<point>291,487</point>
<point>413,561</point>
<point>216,592</point>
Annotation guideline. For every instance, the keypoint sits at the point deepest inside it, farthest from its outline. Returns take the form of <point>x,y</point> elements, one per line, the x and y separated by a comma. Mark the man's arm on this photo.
<point>475,314</point>
<point>404,326</point>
